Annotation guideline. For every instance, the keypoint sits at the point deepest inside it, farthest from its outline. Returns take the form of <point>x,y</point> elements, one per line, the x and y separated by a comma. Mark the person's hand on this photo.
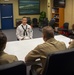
<point>71,40</point>
<point>22,39</point>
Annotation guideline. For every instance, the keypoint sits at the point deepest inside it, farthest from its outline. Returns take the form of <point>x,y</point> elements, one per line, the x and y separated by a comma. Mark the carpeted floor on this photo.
<point>11,34</point>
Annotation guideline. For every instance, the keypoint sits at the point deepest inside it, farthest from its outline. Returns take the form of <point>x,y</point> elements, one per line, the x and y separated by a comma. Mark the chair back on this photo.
<point>66,25</point>
<point>52,23</point>
<point>18,22</point>
<point>60,63</point>
<point>45,22</point>
<point>29,20</point>
<point>35,22</point>
<point>15,68</point>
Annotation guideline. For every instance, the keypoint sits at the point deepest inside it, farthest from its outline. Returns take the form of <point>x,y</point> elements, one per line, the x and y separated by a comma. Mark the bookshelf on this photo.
<point>58,15</point>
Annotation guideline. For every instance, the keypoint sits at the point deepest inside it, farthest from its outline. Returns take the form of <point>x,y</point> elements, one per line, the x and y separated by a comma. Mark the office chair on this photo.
<point>15,68</point>
<point>65,29</point>
<point>45,22</point>
<point>29,20</point>
<point>71,32</point>
<point>52,23</point>
<point>35,22</point>
<point>18,23</point>
<point>59,63</point>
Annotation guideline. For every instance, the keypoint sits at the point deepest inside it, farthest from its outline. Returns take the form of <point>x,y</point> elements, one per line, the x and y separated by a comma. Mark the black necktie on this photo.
<point>25,32</point>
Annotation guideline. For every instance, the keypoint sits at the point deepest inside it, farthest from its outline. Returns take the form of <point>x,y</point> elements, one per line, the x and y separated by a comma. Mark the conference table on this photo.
<point>22,48</point>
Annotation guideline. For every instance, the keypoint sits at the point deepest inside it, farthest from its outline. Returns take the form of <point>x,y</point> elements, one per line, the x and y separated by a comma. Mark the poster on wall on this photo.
<point>29,7</point>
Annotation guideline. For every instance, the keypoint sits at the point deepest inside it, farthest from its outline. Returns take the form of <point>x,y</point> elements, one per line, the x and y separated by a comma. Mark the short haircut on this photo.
<point>3,40</point>
<point>24,17</point>
<point>48,32</point>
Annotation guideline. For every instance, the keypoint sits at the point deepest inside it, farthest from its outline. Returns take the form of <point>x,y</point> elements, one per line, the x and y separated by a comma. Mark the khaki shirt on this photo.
<point>6,58</point>
<point>42,50</point>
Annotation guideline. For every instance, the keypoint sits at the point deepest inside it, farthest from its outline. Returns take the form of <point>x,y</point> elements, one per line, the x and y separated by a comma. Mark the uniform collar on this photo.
<point>51,40</point>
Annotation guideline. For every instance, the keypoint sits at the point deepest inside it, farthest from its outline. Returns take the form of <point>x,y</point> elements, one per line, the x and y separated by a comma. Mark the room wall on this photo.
<point>43,7</point>
<point>69,12</point>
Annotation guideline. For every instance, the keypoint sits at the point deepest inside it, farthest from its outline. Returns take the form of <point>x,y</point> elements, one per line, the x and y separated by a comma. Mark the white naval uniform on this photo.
<point>20,31</point>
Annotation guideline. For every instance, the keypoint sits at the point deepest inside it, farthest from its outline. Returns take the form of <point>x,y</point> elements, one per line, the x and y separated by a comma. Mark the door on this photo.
<point>0,16</point>
<point>6,16</point>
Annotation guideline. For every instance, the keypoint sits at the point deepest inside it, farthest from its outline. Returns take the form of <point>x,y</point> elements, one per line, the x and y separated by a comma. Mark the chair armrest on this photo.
<point>33,72</point>
<point>33,63</point>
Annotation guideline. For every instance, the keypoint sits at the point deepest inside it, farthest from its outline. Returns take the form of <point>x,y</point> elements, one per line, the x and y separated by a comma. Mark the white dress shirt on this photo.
<point>20,31</point>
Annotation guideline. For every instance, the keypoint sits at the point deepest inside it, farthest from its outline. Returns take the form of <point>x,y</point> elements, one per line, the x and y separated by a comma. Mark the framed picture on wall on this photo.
<point>29,7</point>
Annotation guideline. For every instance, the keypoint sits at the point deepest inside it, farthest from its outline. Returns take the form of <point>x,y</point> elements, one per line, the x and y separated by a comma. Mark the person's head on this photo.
<point>3,41</point>
<point>48,33</point>
<point>24,20</point>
